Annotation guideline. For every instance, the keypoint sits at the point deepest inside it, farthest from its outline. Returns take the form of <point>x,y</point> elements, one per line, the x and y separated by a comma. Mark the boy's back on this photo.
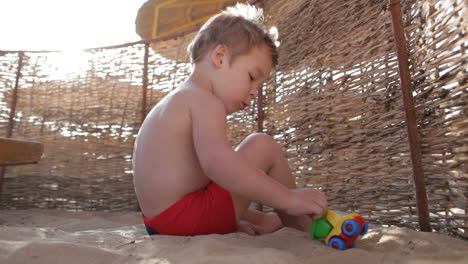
<point>166,165</point>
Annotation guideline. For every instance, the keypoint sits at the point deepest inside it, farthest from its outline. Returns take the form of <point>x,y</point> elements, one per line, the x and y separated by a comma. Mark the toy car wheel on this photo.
<point>365,228</point>
<point>351,227</point>
<point>337,243</point>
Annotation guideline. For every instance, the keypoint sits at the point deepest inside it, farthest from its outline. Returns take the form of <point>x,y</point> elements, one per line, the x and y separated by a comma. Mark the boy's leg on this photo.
<point>267,155</point>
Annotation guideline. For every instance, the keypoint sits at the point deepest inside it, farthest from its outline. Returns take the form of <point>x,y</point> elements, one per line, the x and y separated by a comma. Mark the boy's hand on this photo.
<point>307,201</point>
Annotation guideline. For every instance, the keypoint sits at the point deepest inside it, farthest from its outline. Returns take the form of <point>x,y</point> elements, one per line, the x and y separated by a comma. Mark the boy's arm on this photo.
<point>225,166</point>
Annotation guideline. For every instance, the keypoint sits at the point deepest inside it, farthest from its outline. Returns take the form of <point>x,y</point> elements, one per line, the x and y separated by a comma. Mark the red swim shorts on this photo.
<point>208,211</point>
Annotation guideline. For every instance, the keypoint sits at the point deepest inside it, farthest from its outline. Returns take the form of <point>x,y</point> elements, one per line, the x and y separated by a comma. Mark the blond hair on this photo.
<point>239,27</point>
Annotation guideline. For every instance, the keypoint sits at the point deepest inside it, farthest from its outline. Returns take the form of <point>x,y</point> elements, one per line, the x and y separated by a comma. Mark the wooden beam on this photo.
<point>144,88</point>
<point>19,152</point>
<point>260,120</point>
<point>260,110</point>
<point>413,137</point>
<point>11,119</point>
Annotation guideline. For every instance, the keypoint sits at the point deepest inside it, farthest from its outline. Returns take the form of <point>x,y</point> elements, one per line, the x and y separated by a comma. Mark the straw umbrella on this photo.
<point>176,21</point>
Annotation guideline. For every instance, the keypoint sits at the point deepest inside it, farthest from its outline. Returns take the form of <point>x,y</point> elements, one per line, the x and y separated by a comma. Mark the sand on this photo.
<point>53,236</point>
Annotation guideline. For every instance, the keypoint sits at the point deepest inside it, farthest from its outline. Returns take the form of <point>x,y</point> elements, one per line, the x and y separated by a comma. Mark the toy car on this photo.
<point>339,230</point>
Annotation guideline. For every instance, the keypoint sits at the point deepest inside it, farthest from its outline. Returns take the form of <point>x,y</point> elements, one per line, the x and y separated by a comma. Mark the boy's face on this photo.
<point>237,83</point>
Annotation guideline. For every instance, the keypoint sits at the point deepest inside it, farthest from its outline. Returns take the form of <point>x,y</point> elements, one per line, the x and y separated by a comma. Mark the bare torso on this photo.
<point>165,166</point>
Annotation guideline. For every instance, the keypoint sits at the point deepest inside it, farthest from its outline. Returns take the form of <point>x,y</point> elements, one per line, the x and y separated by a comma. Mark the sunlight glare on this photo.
<point>68,63</point>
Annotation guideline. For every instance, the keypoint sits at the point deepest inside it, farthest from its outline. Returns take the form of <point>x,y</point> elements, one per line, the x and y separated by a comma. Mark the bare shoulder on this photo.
<point>204,104</point>
<point>192,97</point>
<point>201,98</point>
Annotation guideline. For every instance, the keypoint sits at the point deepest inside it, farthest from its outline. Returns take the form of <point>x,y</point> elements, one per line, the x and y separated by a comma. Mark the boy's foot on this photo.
<point>268,223</point>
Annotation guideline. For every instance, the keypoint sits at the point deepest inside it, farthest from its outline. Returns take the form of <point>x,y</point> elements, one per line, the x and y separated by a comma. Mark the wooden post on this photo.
<point>405,80</point>
<point>260,110</point>
<point>145,84</point>
<point>11,119</point>
<point>260,118</point>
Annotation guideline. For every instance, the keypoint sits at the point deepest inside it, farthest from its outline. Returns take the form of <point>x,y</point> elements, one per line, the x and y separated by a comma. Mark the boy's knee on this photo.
<point>263,141</point>
<point>260,138</point>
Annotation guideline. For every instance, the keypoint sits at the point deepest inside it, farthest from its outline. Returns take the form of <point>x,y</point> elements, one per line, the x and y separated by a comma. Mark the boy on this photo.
<point>188,179</point>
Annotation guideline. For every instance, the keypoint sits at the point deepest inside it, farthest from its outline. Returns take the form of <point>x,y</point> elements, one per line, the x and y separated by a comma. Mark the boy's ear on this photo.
<point>219,55</point>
